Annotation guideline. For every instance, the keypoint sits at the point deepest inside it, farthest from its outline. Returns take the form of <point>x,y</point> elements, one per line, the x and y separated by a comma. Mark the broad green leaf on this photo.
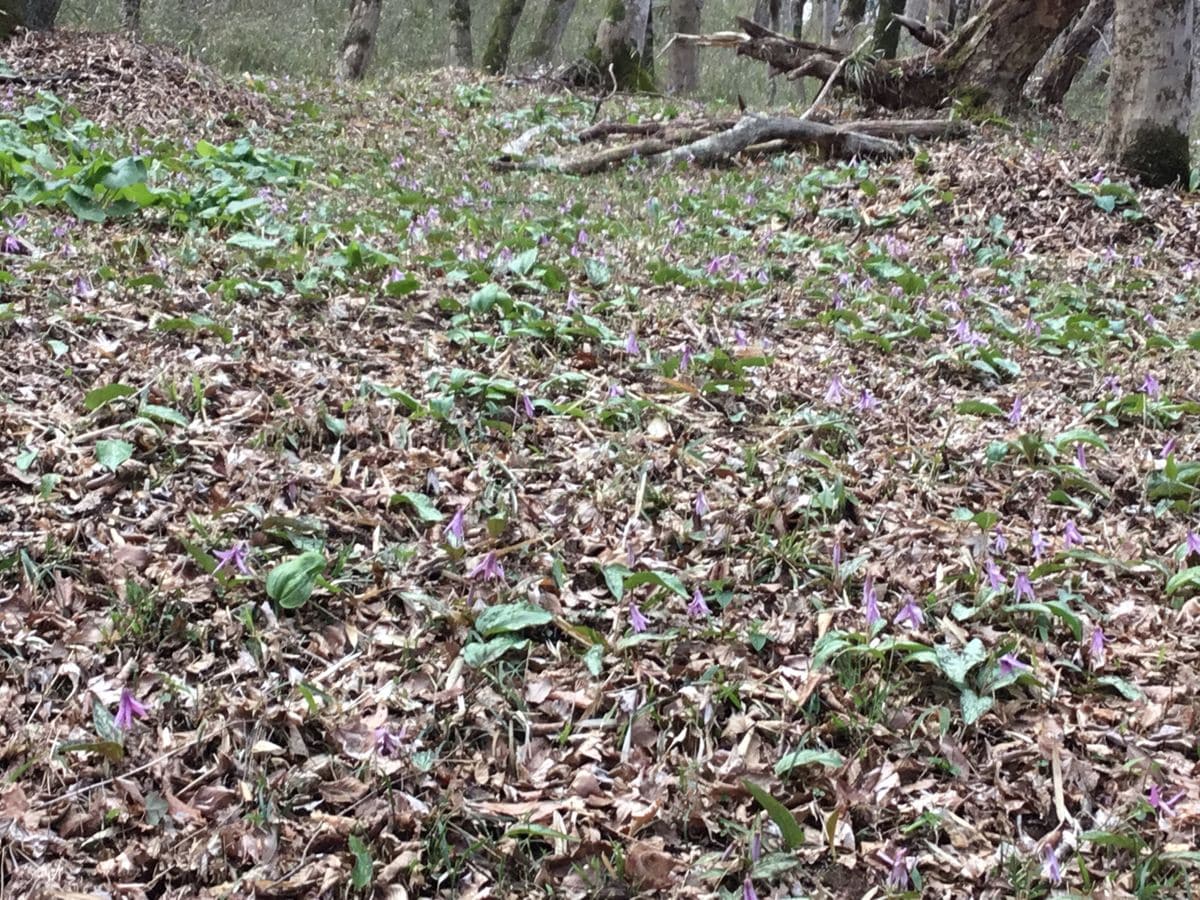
<point>1126,689</point>
<point>423,506</point>
<point>1130,842</point>
<point>105,723</point>
<point>124,173</point>
<point>249,241</point>
<point>25,459</point>
<point>361,873</point>
<point>1186,578</point>
<point>830,759</point>
<point>163,414</point>
<point>974,706</point>
<point>291,583</point>
<point>478,654</point>
<point>789,828</point>
<point>112,453</point>
<point>93,400</point>
<point>614,577</point>
<point>594,659</point>
<point>978,408</point>
<point>662,579</point>
<point>510,617</point>
<point>956,665</point>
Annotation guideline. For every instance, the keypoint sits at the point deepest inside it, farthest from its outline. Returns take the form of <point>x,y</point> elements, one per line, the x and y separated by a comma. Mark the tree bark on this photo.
<point>1074,53</point>
<point>887,29</point>
<point>852,13</point>
<point>1149,102</point>
<point>131,15</point>
<point>499,45</point>
<point>36,15</point>
<point>462,52</point>
<point>620,39</point>
<point>797,19</point>
<point>683,64</point>
<point>768,13</point>
<point>551,29</point>
<point>359,41</point>
<point>938,16</point>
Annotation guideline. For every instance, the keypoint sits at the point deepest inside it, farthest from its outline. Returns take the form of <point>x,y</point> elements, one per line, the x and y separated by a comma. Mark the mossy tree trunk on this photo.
<point>798,19</point>
<point>359,41</point>
<point>1150,89</point>
<point>461,47</point>
<point>1073,55</point>
<point>683,64</point>
<point>887,29</point>
<point>499,44</point>
<point>36,15</point>
<point>853,12</point>
<point>550,29</point>
<point>620,39</point>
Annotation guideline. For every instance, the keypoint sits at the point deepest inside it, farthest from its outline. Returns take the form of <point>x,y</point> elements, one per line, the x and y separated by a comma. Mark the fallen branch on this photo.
<point>930,37</point>
<point>753,130</point>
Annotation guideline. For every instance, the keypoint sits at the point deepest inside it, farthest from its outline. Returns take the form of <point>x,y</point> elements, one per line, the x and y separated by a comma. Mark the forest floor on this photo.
<point>375,521</point>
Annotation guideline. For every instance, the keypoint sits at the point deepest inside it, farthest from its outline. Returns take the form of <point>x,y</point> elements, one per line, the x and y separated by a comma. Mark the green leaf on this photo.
<point>1121,686</point>
<point>662,579</point>
<point>163,414</point>
<point>789,828</point>
<point>979,408</point>
<point>105,723</point>
<point>93,400</point>
<point>594,659</point>
<point>290,583</point>
<point>1186,578</point>
<point>110,750</point>
<point>510,617</point>
<point>361,873</point>
<point>111,454</point>
<point>125,172</point>
<point>830,759</point>
<point>1130,842</point>
<point>248,241</point>
<point>614,577</point>
<point>973,705</point>
<point>956,665</point>
<point>423,506</point>
<point>478,654</point>
<point>25,459</point>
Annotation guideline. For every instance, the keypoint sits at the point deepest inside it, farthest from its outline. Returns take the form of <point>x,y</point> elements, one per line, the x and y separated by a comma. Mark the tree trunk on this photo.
<point>461,47</point>
<point>36,15</point>
<point>991,56</point>
<point>887,29</point>
<point>1149,98</point>
<point>683,64</point>
<point>798,19</point>
<point>938,17</point>
<point>1074,52</point>
<point>852,13</point>
<point>551,29</point>
<point>359,41</point>
<point>768,13</point>
<point>499,45</point>
<point>131,15</point>
<point>619,42</point>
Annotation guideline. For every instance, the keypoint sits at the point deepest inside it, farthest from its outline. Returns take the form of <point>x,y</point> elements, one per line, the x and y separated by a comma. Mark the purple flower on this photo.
<point>1167,449</point>
<point>685,358</point>
<point>698,609</point>
<point>1023,587</point>
<point>236,556</point>
<point>128,709</point>
<point>1071,535</point>
<point>488,568</point>
<point>572,300</point>
<point>999,541</point>
<point>1051,869</point>
<point>1151,386</point>
<point>870,603</point>
<point>739,337</point>
<point>836,557</point>
<point>1165,807</point>
<point>836,392</point>
<point>527,406</point>
<point>748,892</point>
<point>866,402</point>
<point>83,288</point>
<point>615,391</point>
<point>1096,648</point>
<point>897,878</point>
<point>756,847</point>
<point>1080,456</point>
<point>1010,665</point>
<point>455,529</point>
<point>996,580</point>
<point>1014,414</point>
<point>387,742</point>
<point>700,505</point>
<point>636,620</point>
<point>911,614</point>
<point>14,245</point>
<point>1039,544</point>
<point>1192,542</point>
<point>631,344</point>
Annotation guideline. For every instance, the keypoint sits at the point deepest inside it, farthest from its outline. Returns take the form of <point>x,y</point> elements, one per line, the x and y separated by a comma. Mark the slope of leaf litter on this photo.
<point>322,345</point>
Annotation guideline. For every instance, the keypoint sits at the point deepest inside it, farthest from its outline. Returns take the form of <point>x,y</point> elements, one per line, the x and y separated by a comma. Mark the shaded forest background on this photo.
<point>239,35</point>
